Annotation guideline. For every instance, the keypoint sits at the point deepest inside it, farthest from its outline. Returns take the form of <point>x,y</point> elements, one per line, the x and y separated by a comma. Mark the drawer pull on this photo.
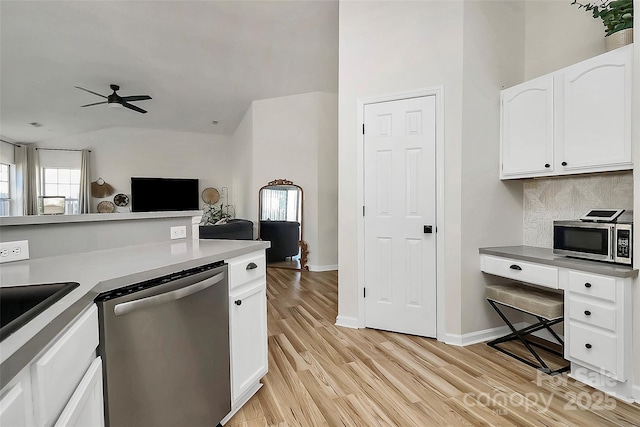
<point>588,345</point>
<point>239,302</point>
<point>587,313</point>
<point>515,267</point>
<point>251,266</point>
<point>587,285</point>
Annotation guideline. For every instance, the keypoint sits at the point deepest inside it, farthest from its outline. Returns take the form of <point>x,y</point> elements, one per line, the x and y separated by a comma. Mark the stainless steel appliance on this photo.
<point>601,234</point>
<point>165,348</point>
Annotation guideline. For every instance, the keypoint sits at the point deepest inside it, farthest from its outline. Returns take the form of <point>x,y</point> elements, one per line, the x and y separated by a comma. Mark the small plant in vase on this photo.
<point>213,214</point>
<point>617,18</point>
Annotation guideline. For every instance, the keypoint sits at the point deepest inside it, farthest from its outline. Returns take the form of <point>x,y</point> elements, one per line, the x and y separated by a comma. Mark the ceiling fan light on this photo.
<point>115,105</point>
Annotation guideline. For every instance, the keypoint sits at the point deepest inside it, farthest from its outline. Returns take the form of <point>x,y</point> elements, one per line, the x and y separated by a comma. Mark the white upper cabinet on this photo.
<point>576,120</point>
<point>527,128</point>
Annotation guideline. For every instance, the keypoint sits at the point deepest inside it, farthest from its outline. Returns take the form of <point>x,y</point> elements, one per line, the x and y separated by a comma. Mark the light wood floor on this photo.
<point>323,375</point>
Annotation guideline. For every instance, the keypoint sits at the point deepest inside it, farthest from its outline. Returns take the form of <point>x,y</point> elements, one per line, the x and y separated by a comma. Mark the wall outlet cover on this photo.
<point>14,251</point>
<point>179,232</point>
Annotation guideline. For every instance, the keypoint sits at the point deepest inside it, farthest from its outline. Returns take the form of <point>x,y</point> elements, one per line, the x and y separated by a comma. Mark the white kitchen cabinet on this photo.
<point>575,120</point>
<point>54,388</point>
<point>247,327</point>
<point>527,128</point>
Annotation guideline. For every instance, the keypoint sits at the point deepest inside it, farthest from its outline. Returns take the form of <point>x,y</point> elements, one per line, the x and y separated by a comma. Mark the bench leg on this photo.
<point>521,334</point>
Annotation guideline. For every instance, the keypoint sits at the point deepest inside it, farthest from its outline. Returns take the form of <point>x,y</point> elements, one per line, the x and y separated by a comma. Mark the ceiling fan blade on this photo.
<point>135,98</point>
<point>133,107</point>
<point>87,90</point>
<point>95,103</point>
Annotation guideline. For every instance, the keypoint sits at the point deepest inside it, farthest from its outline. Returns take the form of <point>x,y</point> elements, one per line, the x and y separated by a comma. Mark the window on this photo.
<point>5,190</point>
<point>66,183</point>
<point>279,204</point>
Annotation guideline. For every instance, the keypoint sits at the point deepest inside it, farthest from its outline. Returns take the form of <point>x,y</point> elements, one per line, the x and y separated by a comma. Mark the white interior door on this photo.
<point>400,200</point>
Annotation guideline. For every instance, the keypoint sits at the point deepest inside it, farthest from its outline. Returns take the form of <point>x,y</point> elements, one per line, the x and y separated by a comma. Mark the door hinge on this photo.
<point>363,211</point>
<point>365,292</point>
<point>363,128</point>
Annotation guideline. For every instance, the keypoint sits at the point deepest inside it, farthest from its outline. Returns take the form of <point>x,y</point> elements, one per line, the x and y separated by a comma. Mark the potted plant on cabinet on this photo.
<point>617,17</point>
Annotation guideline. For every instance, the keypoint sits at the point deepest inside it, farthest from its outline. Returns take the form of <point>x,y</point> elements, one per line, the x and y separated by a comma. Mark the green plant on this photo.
<point>214,213</point>
<point>616,15</point>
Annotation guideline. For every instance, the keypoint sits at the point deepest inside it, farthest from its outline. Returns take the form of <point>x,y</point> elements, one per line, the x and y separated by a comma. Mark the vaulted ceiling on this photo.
<point>200,61</point>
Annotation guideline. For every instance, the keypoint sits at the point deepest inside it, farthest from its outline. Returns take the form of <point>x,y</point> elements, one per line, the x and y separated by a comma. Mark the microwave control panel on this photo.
<point>623,243</point>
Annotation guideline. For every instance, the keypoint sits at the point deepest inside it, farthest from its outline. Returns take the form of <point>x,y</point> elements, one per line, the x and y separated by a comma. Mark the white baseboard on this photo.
<point>480,336</point>
<point>322,267</point>
<point>636,393</point>
<point>493,333</point>
<point>347,322</point>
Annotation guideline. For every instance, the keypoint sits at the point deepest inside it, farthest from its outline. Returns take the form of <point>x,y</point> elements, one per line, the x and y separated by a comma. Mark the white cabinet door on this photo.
<point>15,407</point>
<point>595,131</point>
<point>527,128</point>
<point>85,408</point>
<point>248,320</point>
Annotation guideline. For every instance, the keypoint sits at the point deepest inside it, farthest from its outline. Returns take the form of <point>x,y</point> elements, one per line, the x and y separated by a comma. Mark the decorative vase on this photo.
<point>619,39</point>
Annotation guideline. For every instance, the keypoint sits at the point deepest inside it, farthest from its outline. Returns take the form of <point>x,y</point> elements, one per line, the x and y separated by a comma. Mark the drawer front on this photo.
<point>246,268</point>
<point>520,270</point>
<point>86,406</point>
<point>57,373</point>
<point>593,348</point>
<point>593,314</point>
<point>593,285</point>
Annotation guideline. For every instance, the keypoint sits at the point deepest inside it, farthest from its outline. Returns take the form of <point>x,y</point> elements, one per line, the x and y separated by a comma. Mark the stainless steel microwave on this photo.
<point>609,241</point>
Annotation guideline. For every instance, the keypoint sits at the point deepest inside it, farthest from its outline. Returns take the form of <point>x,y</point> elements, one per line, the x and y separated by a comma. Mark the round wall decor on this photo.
<point>106,207</point>
<point>121,200</point>
<point>210,195</point>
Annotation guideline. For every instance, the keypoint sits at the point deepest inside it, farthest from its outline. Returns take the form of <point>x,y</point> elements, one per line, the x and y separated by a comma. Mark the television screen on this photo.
<point>164,194</point>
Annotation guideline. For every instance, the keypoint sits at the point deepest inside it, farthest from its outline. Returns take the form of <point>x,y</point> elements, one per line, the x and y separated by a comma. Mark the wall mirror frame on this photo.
<point>280,220</point>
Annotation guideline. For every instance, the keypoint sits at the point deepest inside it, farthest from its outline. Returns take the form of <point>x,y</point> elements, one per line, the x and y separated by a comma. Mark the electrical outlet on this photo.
<point>179,232</point>
<point>14,251</point>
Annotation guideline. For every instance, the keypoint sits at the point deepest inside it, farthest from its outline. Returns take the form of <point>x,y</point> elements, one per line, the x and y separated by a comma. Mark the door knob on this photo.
<point>238,302</point>
<point>428,229</point>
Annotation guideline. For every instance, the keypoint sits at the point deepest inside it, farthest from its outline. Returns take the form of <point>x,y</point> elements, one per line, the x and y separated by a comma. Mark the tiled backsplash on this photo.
<point>569,198</point>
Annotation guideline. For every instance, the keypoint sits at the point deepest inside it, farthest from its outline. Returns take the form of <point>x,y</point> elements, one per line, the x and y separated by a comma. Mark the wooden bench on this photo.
<point>546,306</point>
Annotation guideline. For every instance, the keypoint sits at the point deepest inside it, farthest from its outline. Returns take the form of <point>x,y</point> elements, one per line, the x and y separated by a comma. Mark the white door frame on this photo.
<point>438,92</point>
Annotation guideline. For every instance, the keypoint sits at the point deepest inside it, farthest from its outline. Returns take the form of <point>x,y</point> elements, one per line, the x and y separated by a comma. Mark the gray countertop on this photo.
<point>99,271</point>
<point>546,256</point>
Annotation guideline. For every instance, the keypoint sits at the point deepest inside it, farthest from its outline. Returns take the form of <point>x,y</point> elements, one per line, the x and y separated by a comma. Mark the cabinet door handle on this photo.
<point>547,165</point>
<point>587,313</point>
<point>564,163</point>
<point>251,266</point>
<point>515,267</point>
<point>588,345</point>
<point>238,302</point>
<point>587,285</point>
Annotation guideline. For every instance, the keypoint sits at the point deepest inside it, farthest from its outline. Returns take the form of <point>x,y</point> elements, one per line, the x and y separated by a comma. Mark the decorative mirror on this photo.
<point>280,222</point>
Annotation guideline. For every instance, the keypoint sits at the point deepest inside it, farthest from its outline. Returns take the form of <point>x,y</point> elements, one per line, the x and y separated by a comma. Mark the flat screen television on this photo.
<point>164,194</point>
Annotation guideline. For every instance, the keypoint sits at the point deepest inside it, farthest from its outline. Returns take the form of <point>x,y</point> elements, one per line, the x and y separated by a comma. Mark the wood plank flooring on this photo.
<point>324,375</point>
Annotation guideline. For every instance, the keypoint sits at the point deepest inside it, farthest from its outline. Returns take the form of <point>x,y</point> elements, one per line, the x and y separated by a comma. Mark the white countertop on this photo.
<point>103,270</point>
<point>92,217</point>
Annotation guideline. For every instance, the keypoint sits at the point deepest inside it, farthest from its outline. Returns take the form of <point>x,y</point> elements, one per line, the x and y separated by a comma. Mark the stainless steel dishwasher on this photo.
<point>165,348</point>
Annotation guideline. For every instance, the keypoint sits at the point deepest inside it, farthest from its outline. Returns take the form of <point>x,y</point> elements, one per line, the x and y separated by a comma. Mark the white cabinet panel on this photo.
<point>527,128</point>
<point>14,407</point>
<point>246,268</point>
<point>57,373</point>
<point>85,408</point>
<point>596,112</point>
<point>248,319</point>
<point>522,271</point>
<point>595,349</point>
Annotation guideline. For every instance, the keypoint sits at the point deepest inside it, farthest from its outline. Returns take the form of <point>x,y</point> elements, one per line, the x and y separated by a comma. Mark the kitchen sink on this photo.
<point>20,304</point>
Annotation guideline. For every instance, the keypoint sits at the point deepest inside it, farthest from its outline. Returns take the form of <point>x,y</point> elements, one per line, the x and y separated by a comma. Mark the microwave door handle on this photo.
<point>127,307</point>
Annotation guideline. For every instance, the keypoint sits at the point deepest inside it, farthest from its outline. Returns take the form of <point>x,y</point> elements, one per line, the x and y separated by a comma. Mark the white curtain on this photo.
<point>85,183</point>
<point>27,178</point>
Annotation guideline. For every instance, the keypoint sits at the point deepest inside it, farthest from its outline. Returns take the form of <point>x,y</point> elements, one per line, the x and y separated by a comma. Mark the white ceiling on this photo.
<point>199,60</point>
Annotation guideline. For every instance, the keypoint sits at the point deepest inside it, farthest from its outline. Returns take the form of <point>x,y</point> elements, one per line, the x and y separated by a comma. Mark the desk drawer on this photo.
<point>246,268</point>
<point>593,285</point>
<point>520,270</point>
<point>593,348</point>
<point>592,313</point>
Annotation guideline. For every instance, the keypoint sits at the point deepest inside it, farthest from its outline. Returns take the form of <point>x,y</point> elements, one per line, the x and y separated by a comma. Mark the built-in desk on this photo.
<point>597,310</point>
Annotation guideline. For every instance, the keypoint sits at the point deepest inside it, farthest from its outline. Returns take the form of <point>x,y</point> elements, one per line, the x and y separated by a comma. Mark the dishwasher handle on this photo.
<point>127,307</point>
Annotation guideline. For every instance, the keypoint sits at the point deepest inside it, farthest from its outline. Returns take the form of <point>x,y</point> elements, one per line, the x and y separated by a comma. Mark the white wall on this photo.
<point>292,137</point>
<point>491,209</point>
<point>117,154</point>
<point>384,48</point>
<point>559,34</point>
<point>6,153</point>
<point>243,197</point>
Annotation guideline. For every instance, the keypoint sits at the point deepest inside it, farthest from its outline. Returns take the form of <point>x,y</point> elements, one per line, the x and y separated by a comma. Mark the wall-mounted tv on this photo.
<point>164,194</point>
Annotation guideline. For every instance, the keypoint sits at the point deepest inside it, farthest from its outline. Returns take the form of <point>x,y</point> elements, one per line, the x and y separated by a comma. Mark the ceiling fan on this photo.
<point>116,101</point>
